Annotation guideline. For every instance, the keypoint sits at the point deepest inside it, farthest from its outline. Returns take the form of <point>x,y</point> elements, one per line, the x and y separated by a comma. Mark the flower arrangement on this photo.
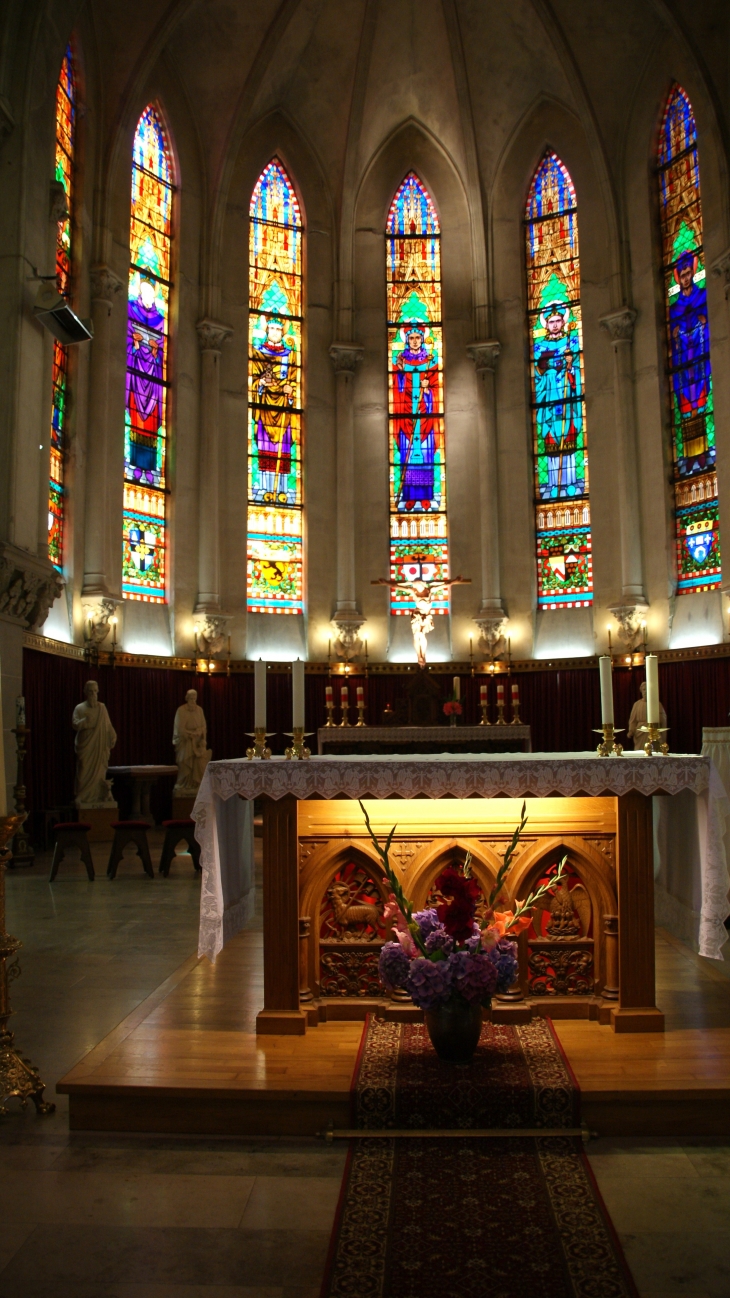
<point>452,708</point>
<point>442,955</point>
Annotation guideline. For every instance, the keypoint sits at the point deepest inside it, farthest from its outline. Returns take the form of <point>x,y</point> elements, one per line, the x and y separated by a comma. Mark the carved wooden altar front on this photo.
<point>568,958</point>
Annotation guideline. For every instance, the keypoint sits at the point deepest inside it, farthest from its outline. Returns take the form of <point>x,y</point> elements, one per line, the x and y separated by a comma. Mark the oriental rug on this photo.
<point>461,1216</point>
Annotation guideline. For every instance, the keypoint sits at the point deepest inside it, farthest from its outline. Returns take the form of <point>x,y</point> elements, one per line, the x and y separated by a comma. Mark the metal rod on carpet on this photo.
<point>438,1133</point>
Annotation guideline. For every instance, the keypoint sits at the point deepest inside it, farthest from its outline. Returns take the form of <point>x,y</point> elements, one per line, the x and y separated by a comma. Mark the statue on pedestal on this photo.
<point>638,719</point>
<point>95,738</point>
<point>189,739</point>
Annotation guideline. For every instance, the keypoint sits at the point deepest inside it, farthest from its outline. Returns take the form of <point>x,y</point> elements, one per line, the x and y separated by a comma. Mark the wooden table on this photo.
<point>348,740</point>
<point>142,777</point>
<point>620,871</point>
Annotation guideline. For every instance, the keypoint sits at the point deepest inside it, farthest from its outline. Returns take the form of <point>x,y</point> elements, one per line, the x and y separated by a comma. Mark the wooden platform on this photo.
<point>188,1060</point>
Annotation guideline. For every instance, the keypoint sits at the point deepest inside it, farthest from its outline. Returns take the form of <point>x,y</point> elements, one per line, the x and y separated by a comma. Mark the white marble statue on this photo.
<point>422,593</point>
<point>95,738</point>
<point>189,739</point>
<point>638,718</point>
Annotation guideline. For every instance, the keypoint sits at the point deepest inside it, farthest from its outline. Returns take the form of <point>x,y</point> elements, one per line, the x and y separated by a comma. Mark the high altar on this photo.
<point>589,954</point>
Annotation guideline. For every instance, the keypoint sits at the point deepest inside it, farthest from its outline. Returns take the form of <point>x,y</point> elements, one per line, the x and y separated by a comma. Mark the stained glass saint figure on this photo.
<point>270,369</point>
<point>416,380</point>
<point>145,357</point>
<point>558,396</point>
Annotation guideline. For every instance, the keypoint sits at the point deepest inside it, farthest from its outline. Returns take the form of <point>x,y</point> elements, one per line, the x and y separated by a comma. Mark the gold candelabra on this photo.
<point>298,750</point>
<point>260,747</point>
<point>18,1076</point>
<point>655,745</point>
<point>345,710</point>
<point>516,712</point>
<point>609,744</point>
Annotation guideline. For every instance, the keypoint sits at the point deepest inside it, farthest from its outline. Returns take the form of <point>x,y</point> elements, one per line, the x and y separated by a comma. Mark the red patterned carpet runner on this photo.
<point>467,1217</point>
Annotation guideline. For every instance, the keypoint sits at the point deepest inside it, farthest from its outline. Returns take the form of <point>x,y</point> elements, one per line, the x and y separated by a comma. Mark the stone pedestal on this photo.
<point>182,805</point>
<point>100,819</point>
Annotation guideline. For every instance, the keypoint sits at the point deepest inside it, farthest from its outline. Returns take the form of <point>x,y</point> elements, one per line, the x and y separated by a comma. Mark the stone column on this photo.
<point>347,617</point>
<point>619,326</point>
<point>491,617</point>
<point>211,336</point>
<point>104,286</point>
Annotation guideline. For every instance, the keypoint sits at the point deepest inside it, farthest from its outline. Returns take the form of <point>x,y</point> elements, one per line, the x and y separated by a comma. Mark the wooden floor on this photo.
<point>188,1060</point>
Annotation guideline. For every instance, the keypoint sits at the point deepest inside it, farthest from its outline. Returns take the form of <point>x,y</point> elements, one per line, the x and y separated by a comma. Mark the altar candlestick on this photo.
<point>344,694</point>
<point>20,711</point>
<point>652,690</point>
<point>344,704</point>
<point>515,692</point>
<point>457,688</point>
<point>328,693</point>
<point>360,694</point>
<point>259,683</point>
<point>482,694</point>
<point>500,691</point>
<point>500,704</point>
<point>297,694</point>
<point>604,667</point>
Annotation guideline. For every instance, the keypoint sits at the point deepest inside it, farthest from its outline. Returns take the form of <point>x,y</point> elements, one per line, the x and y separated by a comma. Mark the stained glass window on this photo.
<point>562,507</point>
<point>688,351</point>
<point>275,541</point>
<point>419,547</point>
<point>148,333</point>
<point>65,140</point>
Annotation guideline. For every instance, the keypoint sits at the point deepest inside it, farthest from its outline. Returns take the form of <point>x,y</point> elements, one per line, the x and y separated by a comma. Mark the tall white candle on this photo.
<point>297,694</point>
<point>457,688</point>
<point>652,690</point>
<point>259,695</point>
<point>604,667</point>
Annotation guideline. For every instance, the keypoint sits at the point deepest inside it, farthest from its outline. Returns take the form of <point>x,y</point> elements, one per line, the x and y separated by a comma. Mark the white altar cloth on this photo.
<point>223,908</point>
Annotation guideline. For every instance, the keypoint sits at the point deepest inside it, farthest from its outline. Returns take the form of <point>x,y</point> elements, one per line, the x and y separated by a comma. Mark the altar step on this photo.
<point>188,1060</point>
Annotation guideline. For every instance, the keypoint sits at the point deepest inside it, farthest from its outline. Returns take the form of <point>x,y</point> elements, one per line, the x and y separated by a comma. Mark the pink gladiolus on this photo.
<point>392,912</point>
<point>407,943</point>
<point>489,938</point>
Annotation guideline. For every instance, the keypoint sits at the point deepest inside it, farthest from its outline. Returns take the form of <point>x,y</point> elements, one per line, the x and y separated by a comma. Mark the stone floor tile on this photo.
<point>713,1161</point>
<point>644,1163</point>
<point>689,1207</point>
<point>679,1264</point>
<point>27,1158</point>
<point>296,1203</point>
<point>317,1160</point>
<point>93,1198</point>
<point>208,1291</point>
<point>114,1255</point>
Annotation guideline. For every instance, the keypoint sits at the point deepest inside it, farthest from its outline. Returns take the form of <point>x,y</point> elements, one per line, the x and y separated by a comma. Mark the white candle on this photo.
<point>500,691</point>
<point>297,694</point>
<point>482,693</point>
<point>360,694</point>
<point>259,695</point>
<point>652,690</point>
<point>328,693</point>
<point>344,694</point>
<point>515,692</point>
<point>457,688</point>
<point>604,668</point>
<point>20,711</point>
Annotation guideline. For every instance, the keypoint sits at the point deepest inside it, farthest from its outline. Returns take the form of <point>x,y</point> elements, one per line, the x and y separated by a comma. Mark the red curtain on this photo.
<point>562,707</point>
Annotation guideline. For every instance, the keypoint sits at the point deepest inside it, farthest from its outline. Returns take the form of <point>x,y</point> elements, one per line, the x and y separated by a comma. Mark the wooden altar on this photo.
<point>324,892</point>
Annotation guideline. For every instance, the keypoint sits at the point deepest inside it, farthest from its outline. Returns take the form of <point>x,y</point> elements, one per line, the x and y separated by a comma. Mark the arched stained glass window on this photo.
<point>688,350</point>
<point>275,534</point>
<point>562,508</point>
<point>419,547</point>
<point>148,336</point>
<point>64,174</point>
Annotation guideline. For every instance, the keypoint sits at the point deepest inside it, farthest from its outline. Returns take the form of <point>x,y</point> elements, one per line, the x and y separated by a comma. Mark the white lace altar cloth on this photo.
<point>455,775</point>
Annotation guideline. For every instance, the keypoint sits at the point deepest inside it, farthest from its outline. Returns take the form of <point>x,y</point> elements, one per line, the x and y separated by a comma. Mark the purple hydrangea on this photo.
<point>474,976</point>
<point>393,966</point>
<point>439,940</point>
<point>429,982</point>
<point>504,958</point>
<point>473,944</point>
<point>427,921</point>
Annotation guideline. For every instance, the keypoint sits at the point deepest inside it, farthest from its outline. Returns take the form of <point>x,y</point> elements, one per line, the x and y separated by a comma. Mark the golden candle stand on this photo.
<point>609,747</point>
<point>298,749</point>
<point>500,713</point>
<point>260,747</point>
<point>330,713</point>
<point>515,713</point>
<point>655,746</point>
<point>345,709</point>
<point>361,715</point>
<point>18,1076</point>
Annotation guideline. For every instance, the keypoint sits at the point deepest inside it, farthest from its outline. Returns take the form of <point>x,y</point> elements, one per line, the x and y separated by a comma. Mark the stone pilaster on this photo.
<point>491,616</point>
<point>104,287</point>
<point>347,617</point>
<point>619,326</point>
<point>211,335</point>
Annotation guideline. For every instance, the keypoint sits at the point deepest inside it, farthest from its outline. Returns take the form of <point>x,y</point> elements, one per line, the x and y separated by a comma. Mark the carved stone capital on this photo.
<point>721,266</point>
<point>485,355</point>
<point>348,643</point>
<point>212,335</point>
<point>346,357</point>
<point>28,587</point>
<point>619,325</point>
<point>104,285</point>
<point>97,612</point>
<point>630,618</point>
<point>211,632</point>
<point>492,629</point>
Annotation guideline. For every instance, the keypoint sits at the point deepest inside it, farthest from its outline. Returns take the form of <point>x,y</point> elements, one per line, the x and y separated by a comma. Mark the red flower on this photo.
<point>453,706</point>
<point>457,916</point>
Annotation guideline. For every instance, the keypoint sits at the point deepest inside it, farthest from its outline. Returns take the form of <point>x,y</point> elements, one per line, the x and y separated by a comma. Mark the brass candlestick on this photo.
<point>609,746</point>
<point>361,715</point>
<point>485,714</point>
<point>345,710</point>
<point>330,714</point>
<point>500,713</point>
<point>515,713</point>
<point>654,745</point>
<point>18,1076</point>
<point>298,750</point>
<point>23,853</point>
<point>260,747</point>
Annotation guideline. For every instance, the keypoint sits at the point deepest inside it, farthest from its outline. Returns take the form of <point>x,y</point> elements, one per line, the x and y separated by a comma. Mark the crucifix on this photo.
<point>422,593</point>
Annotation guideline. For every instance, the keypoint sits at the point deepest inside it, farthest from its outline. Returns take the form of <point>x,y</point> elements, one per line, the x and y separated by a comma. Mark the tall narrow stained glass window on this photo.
<point>562,508</point>
<point>275,532</point>
<point>148,336</point>
<point>688,348</point>
<point>64,174</point>
<point>419,547</point>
